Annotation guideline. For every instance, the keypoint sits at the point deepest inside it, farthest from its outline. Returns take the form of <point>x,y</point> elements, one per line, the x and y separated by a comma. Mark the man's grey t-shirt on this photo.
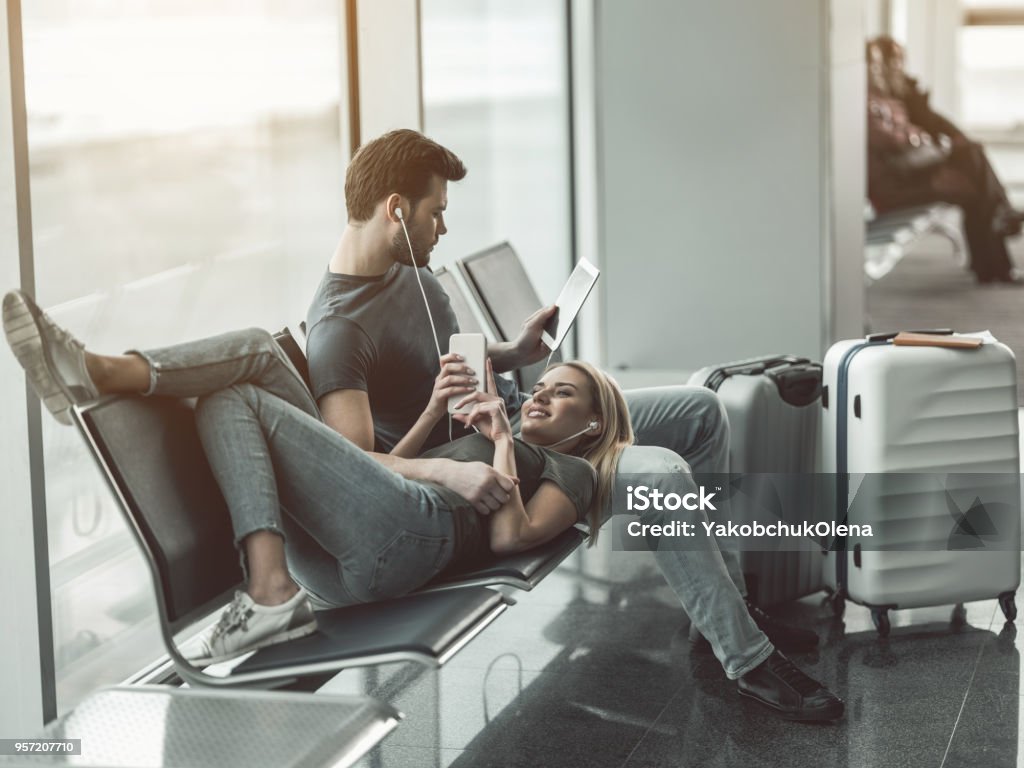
<point>372,334</point>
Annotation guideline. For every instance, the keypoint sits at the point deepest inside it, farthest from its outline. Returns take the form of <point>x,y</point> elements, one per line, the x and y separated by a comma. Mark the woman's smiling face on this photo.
<point>561,404</point>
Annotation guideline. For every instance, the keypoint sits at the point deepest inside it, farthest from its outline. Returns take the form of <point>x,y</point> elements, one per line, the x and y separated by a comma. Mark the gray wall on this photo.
<point>718,179</point>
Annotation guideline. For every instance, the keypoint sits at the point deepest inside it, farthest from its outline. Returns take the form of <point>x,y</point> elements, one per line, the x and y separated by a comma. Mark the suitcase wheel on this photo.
<point>1006,602</point>
<point>880,617</point>
<point>959,616</point>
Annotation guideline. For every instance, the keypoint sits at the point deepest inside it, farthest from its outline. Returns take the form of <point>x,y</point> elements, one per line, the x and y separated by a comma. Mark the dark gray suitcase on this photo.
<point>773,405</point>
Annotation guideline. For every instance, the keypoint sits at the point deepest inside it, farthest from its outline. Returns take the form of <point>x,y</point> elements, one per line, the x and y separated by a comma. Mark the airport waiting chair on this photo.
<point>888,236</point>
<point>292,341</point>
<point>149,451</point>
<point>460,301</point>
<point>498,283</point>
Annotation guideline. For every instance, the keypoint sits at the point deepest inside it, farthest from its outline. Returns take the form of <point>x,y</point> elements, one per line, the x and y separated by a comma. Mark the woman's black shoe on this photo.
<point>785,637</point>
<point>778,684</point>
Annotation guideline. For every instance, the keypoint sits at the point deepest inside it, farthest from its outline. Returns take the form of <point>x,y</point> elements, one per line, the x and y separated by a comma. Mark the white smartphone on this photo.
<point>473,348</point>
<point>569,303</point>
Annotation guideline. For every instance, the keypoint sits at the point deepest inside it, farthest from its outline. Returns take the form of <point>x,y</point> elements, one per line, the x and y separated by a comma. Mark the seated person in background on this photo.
<point>917,157</point>
<point>377,378</point>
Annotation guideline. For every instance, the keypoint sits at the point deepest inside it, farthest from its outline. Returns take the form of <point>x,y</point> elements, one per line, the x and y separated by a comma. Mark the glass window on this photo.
<point>495,91</point>
<point>186,173</point>
<point>992,76</point>
<point>991,86</point>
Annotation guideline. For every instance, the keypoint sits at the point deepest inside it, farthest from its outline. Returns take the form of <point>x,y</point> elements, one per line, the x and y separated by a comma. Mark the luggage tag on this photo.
<point>912,339</point>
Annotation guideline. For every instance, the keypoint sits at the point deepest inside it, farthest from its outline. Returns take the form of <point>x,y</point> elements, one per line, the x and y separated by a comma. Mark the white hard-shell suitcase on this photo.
<point>773,405</point>
<point>913,434</point>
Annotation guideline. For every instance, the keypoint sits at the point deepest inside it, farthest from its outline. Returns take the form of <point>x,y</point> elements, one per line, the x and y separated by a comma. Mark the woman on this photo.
<point>317,520</point>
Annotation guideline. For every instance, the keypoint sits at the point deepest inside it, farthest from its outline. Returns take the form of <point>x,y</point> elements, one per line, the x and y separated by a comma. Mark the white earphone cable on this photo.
<point>419,281</point>
<point>592,426</point>
<point>423,293</point>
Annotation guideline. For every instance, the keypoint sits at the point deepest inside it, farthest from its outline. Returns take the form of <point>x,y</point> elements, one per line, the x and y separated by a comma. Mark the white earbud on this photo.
<point>594,425</point>
<point>399,214</point>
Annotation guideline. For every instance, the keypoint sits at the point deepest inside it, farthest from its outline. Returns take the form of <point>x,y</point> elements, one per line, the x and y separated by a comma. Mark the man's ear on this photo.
<point>393,203</point>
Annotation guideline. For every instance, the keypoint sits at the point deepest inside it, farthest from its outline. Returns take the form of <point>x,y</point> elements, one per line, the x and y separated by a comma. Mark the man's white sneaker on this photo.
<point>245,626</point>
<point>53,359</point>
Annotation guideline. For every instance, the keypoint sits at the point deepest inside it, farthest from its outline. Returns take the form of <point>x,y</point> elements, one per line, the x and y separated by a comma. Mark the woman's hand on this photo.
<point>455,378</point>
<point>488,414</point>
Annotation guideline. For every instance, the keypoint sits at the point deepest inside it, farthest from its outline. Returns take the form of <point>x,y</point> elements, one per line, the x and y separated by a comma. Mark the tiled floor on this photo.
<point>593,669</point>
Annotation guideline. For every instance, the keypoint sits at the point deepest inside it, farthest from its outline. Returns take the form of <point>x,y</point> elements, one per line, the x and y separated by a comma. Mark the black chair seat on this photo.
<point>290,346</point>
<point>523,570</point>
<point>426,628</point>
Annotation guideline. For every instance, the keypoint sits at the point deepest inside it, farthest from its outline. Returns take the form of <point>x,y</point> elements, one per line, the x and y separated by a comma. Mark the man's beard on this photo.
<point>400,251</point>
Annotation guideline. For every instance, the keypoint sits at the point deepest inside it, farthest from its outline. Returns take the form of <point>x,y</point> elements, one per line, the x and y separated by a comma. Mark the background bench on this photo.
<point>888,236</point>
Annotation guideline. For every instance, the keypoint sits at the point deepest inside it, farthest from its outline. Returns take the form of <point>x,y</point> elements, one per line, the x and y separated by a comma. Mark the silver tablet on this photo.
<point>570,301</point>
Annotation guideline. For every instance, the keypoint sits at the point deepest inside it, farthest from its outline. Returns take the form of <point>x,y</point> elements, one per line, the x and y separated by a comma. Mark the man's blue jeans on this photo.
<point>690,422</point>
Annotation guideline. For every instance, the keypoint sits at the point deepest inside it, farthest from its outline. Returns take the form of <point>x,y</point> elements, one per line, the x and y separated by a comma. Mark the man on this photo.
<point>376,330</point>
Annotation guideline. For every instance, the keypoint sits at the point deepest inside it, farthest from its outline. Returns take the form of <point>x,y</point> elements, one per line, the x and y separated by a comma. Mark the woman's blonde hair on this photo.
<point>603,449</point>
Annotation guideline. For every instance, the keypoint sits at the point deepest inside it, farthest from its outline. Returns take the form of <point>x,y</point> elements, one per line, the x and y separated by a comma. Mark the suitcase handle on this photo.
<point>889,336</point>
<point>753,367</point>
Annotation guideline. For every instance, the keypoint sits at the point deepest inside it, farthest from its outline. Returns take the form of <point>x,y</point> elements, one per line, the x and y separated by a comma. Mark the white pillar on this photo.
<point>587,181</point>
<point>845,179</point>
<point>731,156</point>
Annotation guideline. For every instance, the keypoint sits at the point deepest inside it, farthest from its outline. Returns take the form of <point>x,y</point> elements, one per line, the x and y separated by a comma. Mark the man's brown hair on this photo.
<point>401,161</point>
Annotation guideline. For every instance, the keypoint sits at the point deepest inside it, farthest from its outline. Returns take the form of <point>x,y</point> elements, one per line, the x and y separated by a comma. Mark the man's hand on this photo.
<point>528,344</point>
<point>526,348</point>
<point>487,489</point>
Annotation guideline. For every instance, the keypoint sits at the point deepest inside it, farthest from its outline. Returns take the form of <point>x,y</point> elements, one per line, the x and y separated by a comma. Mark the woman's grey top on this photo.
<point>575,476</point>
